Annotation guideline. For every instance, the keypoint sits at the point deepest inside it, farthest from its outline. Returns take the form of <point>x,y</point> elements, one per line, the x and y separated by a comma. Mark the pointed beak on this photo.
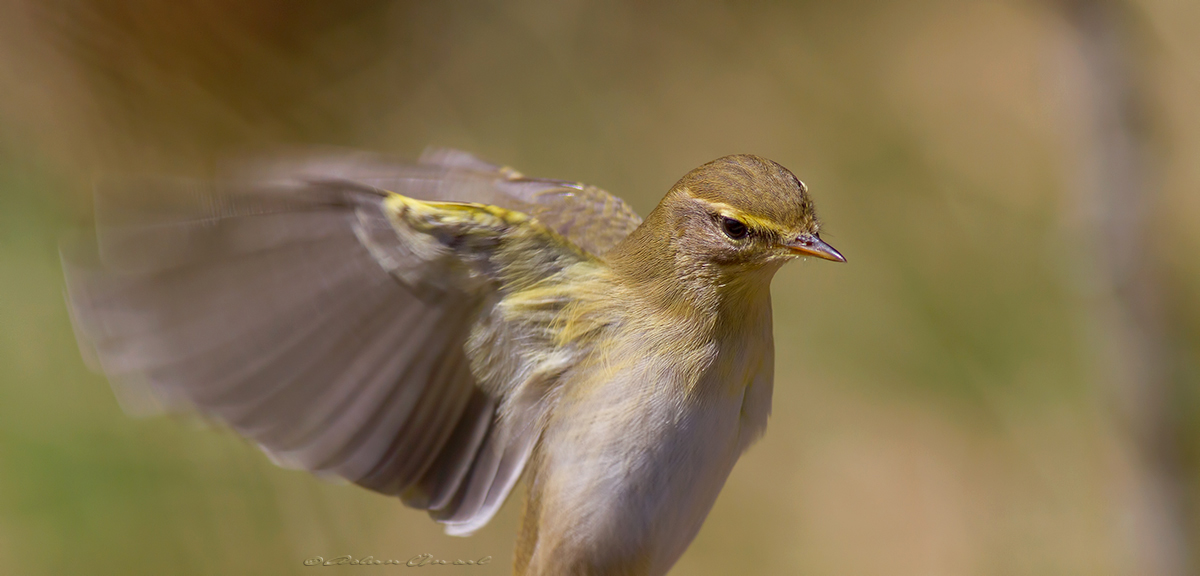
<point>810,245</point>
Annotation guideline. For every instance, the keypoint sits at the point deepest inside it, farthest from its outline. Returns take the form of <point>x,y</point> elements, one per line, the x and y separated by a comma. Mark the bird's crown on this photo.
<point>761,194</point>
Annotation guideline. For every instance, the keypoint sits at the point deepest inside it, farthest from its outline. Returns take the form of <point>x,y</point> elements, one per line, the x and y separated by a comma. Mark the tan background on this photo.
<point>1003,380</point>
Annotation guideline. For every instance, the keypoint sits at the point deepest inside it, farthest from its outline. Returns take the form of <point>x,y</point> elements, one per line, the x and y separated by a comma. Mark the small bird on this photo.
<point>436,331</point>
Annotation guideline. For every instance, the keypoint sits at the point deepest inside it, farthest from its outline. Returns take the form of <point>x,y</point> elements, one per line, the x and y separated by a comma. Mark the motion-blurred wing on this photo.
<point>275,306</point>
<point>588,216</point>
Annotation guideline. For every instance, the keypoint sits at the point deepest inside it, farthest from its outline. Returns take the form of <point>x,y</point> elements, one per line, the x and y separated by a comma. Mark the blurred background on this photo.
<point>1003,380</point>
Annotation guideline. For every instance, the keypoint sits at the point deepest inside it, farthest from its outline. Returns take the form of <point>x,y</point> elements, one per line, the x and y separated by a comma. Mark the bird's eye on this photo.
<point>734,228</point>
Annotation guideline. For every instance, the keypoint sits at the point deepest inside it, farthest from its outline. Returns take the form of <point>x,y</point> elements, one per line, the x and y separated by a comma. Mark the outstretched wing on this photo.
<point>301,309</point>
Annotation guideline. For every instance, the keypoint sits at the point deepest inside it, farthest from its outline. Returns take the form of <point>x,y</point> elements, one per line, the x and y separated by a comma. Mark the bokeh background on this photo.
<point>1003,380</point>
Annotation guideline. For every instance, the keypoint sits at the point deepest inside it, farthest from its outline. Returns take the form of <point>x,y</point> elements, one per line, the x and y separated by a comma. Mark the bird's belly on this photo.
<point>634,488</point>
<point>698,459</point>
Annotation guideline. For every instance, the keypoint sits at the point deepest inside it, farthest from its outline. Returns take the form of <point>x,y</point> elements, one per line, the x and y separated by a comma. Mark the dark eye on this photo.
<point>734,228</point>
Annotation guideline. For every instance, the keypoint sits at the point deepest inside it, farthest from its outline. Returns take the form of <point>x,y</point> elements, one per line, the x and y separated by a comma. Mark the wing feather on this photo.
<point>283,302</point>
<point>586,215</point>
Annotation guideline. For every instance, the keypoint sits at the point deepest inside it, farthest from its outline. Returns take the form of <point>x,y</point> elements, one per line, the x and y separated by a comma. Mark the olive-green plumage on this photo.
<point>434,331</point>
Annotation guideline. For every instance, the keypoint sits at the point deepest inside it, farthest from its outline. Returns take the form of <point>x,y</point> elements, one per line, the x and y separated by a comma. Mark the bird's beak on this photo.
<point>810,245</point>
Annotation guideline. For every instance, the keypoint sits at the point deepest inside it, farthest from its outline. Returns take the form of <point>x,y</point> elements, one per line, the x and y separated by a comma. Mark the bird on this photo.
<point>436,331</point>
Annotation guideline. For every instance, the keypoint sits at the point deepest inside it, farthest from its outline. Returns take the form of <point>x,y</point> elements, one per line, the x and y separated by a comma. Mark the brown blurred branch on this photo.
<point>1117,191</point>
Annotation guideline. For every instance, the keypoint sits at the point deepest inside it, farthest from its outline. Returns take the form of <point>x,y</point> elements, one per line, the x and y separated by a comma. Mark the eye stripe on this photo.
<point>760,227</point>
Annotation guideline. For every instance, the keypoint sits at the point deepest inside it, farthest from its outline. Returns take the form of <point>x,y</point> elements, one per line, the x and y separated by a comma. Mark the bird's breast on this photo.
<point>636,452</point>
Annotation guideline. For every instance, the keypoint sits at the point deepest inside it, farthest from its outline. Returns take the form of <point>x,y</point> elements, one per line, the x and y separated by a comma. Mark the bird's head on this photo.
<point>745,211</point>
<point>725,221</point>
